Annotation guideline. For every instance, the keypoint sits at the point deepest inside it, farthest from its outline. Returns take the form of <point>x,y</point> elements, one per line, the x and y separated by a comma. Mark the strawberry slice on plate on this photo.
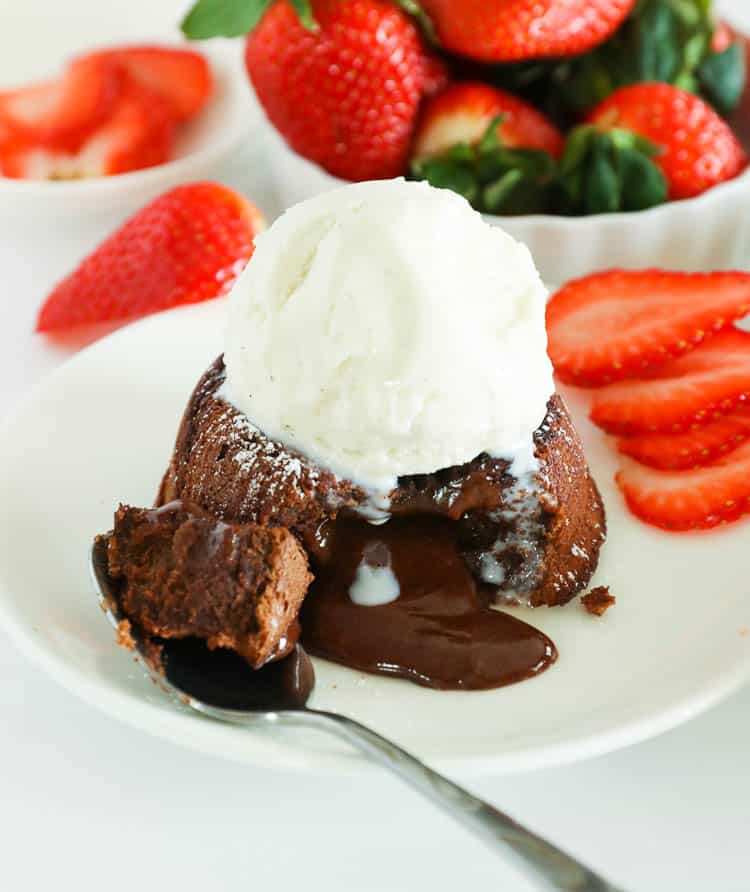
<point>139,133</point>
<point>182,77</point>
<point>616,324</point>
<point>711,380</point>
<point>188,245</point>
<point>700,445</point>
<point>690,500</point>
<point>61,114</point>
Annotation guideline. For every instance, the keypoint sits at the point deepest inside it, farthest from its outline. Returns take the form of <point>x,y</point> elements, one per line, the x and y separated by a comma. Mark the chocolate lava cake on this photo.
<point>532,541</point>
<point>224,556</point>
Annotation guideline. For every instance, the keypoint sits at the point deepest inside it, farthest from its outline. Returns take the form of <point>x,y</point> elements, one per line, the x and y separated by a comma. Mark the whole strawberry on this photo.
<point>493,148</point>
<point>695,148</point>
<point>342,81</point>
<point>188,245</point>
<point>514,30</point>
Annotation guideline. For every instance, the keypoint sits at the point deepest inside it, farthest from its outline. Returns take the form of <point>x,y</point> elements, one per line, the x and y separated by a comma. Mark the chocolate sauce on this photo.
<point>439,632</point>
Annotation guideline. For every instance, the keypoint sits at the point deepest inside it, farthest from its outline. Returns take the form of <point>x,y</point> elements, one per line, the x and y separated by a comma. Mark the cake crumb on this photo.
<point>598,600</point>
<point>125,635</point>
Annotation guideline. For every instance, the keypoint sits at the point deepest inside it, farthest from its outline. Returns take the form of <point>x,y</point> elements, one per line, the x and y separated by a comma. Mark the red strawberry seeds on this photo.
<point>618,324</point>
<point>347,95</point>
<point>697,446</point>
<point>690,500</point>
<point>698,148</point>
<point>710,381</point>
<point>514,30</point>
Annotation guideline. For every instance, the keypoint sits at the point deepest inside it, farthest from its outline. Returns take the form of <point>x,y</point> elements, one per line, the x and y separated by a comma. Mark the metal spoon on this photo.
<point>219,684</point>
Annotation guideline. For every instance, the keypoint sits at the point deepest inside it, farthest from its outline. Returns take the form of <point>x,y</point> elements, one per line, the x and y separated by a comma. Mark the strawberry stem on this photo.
<point>412,8</point>
<point>234,18</point>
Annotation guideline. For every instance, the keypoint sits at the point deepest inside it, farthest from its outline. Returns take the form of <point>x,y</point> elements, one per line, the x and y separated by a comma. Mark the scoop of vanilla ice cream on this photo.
<point>385,329</point>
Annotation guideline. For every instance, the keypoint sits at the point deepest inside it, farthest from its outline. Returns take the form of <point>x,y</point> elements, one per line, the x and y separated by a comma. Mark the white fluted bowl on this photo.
<point>705,233</point>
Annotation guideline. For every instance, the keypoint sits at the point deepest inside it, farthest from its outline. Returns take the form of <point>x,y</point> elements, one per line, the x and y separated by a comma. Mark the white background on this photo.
<point>87,803</point>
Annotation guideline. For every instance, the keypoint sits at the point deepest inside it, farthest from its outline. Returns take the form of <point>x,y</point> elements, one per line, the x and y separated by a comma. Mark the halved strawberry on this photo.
<point>617,324</point>
<point>700,445</point>
<point>188,245</point>
<point>183,77</point>
<point>139,133</point>
<point>690,500</point>
<point>693,389</point>
<point>61,114</point>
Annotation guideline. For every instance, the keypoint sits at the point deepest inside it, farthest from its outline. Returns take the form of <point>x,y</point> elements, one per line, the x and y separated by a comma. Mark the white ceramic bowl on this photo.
<point>47,227</point>
<point>704,233</point>
<point>70,217</point>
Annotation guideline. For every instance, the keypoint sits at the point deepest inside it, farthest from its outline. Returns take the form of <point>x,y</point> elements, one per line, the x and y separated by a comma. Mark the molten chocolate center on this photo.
<point>438,632</point>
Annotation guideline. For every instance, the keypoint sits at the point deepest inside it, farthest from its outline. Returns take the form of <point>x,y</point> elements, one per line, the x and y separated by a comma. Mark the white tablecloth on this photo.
<point>88,804</point>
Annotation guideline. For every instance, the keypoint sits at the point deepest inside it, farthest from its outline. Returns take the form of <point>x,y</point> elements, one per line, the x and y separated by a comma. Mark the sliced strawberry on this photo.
<point>61,114</point>
<point>616,324</point>
<point>693,389</point>
<point>183,77</point>
<point>700,445</point>
<point>138,134</point>
<point>690,500</point>
<point>188,245</point>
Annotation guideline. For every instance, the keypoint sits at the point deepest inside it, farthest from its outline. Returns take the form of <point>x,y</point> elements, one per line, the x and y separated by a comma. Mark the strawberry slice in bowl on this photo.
<point>707,382</point>
<point>139,133</point>
<point>61,114</point>
<point>182,77</point>
<point>702,498</point>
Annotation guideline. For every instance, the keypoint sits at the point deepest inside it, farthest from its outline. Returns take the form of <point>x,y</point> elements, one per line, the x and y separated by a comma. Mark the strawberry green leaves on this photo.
<point>495,179</point>
<point>600,172</point>
<point>606,172</point>
<point>234,18</point>
<point>662,40</point>
<point>721,77</point>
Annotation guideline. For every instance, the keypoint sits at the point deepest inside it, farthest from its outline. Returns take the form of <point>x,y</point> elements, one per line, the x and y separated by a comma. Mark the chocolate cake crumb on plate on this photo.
<point>598,600</point>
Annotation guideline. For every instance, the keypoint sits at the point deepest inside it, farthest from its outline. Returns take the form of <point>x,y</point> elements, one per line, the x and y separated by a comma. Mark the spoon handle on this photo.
<point>543,863</point>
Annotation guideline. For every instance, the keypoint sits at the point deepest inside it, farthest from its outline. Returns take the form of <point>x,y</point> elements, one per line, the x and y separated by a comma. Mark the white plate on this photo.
<point>100,430</point>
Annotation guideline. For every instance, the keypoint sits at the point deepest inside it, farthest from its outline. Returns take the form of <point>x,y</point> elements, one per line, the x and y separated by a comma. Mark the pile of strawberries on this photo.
<point>672,376</point>
<point>110,112</point>
<point>556,106</point>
